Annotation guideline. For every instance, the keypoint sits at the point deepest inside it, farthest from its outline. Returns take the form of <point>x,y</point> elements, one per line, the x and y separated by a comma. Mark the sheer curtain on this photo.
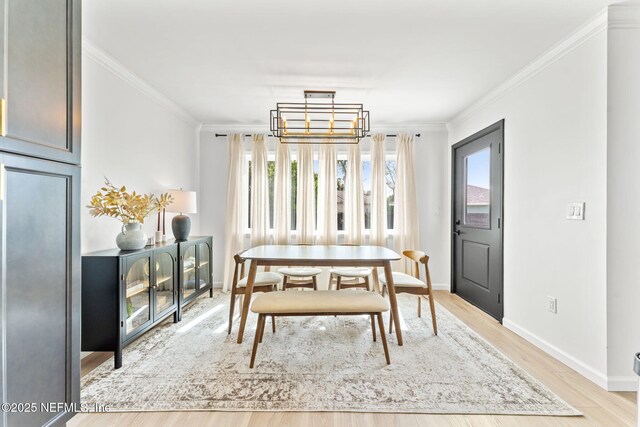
<point>305,218</point>
<point>282,195</point>
<point>406,230</point>
<point>236,206</point>
<point>327,195</point>
<point>353,200</point>
<point>378,198</point>
<point>259,191</point>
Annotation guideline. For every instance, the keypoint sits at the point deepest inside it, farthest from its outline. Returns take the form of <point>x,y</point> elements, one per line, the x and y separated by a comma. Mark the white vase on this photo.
<point>158,236</point>
<point>132,237</point>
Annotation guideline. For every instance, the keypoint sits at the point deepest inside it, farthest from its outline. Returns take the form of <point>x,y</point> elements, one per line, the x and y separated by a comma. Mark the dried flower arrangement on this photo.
<point>117,203</point>
<point>160,205</point>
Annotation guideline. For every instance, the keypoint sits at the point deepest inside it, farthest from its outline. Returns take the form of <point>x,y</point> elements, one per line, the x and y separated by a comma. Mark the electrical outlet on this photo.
<point>552,304</point>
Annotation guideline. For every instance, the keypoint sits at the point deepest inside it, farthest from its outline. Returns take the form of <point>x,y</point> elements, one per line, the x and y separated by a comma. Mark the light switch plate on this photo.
<point>552,304</point>
<point>575,211</point>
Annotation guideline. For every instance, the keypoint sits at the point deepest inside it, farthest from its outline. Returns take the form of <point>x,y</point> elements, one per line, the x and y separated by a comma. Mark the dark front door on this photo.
<point>477,219</point>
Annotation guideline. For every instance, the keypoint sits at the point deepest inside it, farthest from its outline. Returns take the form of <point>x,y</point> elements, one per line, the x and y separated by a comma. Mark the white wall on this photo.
<point>133,140</point>
<point>555,153</point>
<point>429,151</point>
<point>431,185</point>
<point>214,165</point>
<point>623,187</point>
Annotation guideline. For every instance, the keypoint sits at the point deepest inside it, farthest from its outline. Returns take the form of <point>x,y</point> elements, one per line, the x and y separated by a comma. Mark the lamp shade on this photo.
<point>183,202</point>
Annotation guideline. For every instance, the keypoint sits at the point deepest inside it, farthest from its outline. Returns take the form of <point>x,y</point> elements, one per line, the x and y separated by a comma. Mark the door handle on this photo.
<point>456,232</point>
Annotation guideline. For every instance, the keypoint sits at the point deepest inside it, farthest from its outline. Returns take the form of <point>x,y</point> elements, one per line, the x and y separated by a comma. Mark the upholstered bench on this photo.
<point>319,303</point>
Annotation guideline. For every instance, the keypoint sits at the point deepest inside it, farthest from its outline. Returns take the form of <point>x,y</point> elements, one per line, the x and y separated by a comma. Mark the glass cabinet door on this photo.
<point>204,269</point>
<point>164,285</point>
<point>138,296</point>
<point>189,272</point>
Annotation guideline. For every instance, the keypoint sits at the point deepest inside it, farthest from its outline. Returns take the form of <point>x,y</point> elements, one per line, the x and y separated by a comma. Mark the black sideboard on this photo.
<point>123,296</point>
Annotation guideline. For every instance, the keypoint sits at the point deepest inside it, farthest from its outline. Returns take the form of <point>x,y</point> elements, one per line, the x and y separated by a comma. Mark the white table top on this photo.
<point>356,254</point>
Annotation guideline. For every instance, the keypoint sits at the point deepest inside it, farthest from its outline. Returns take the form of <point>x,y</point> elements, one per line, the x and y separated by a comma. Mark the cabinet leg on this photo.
<point>211,292</point>
<point>117,356</point>
<point>175,317</point>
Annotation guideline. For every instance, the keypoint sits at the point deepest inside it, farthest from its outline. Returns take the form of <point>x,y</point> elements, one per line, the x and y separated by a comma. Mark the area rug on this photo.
<point>317,364</point>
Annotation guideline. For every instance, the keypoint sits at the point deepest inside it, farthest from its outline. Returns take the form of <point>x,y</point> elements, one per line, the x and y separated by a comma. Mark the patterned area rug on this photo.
<point>317,364</point>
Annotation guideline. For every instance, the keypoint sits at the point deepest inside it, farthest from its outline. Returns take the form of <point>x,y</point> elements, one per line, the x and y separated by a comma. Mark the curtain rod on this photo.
<point>388,136</point>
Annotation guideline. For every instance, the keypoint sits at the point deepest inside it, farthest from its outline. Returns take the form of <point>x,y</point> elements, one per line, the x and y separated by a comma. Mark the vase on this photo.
<point>132,237</point>
<point>158,236</point>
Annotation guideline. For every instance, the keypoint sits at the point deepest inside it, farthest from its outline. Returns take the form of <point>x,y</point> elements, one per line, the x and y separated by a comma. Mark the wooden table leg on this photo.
<point>246,301</point>
<point>388,274</point>
<point>376,282</point>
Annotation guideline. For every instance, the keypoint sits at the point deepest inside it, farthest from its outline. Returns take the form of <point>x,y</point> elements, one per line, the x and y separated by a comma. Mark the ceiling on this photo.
<point>408,61</point>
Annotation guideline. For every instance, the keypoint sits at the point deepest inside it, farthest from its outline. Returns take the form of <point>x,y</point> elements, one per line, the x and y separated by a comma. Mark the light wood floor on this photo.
<point>599,407</point>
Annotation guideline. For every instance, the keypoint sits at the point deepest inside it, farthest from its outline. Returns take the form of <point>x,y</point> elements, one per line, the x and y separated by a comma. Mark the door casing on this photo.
<point>489,129</point>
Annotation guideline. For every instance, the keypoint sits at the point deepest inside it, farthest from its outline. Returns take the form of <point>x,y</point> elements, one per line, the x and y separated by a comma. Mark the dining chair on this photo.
<point>300,277</point>
<point>408,284</point>
<point>265,281</point>
<point>349,277</point>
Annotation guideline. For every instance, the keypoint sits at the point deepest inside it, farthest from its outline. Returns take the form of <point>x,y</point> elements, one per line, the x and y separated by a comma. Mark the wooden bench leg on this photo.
<point>419,306</point>
<point>390,322</point>
<point>383,338</point>
<point>273,324</point>
<point>315,283</point>
<point>373,328</point>
<point>256,340</point>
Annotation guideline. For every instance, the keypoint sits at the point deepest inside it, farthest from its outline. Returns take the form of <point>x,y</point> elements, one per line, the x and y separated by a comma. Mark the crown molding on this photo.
<point>624,16</point>
<point>264,128</point>
<point>584,33</point>
<point>102,58</point>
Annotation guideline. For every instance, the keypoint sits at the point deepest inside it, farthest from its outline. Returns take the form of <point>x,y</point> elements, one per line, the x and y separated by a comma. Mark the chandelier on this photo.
<point>322,122</point>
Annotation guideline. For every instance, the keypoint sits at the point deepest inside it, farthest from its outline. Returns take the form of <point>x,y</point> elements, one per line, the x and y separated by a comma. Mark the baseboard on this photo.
<point>441,286</point>
<point>586,371</point>
<point>622,383</point>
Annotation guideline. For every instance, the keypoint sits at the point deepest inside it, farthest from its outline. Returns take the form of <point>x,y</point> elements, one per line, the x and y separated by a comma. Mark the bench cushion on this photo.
<point>403,280</point>
<point>262,278</point>
<point>300,271</point>
<point>319,302</point>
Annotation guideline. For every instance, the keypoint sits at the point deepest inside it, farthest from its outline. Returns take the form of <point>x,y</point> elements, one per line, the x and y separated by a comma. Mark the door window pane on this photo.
<point>164,282</point>
<point>477,168</point>
<point>204,269</point>
<point>137,295</point>
<point>189,271</point>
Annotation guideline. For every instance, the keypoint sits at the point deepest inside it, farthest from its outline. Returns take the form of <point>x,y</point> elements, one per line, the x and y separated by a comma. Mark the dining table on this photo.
<point>321,256</point>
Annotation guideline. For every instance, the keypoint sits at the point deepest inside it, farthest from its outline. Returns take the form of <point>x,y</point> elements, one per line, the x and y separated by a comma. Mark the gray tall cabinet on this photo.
<point>39,211</point>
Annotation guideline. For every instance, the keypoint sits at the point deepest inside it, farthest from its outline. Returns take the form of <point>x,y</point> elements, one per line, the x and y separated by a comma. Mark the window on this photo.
<point>294,192</point>
<point>341,175</point>
<point>366,192</point>
<point>390,190</point>
<point>271,174</point>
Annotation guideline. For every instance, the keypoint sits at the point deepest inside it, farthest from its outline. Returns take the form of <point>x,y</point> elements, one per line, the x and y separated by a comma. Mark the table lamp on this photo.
<point>183,202</point>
